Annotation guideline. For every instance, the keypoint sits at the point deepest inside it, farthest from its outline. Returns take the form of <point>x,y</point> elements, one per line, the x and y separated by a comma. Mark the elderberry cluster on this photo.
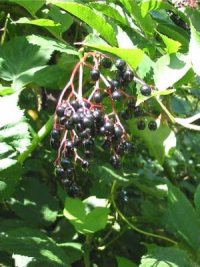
<point>80,123</point>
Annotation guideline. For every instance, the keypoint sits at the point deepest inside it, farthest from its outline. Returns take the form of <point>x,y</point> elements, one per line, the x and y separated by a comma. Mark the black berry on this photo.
<point>97,97</point>
<point>118,131</point>
<point>85,164</point>
<point>60,111</point>
<point>141,125</point>
<point>60,173</point>
<point>65,163</point>
<point>116,95</point>
<point>94,74</point>
<point>120,64</point>
<point>152,125</point>
<point>115,162</point>
<point>55,134</point>
<point>106,63</point>
<point>145,90</point>
<point>128,75</point>
<point>109,127</point>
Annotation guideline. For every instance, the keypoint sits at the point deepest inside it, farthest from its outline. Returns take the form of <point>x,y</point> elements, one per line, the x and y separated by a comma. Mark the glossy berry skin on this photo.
<point>141,125</point>
<point>120,64</point>
<point>60,173</point>
<point>62,120</point>
<point>128,75</point>
<point>106,63</point>
<point>95,75</point>
<point>109,127</point>
<point>118,131</point>
<point>115,162</point>
<point>145,90</point>
<point>116,95</point>
<point>97,114</point>
<point>75,104</point>
<point>87,122</point>
<point>152,125</point>
<point>65,163</point>
<point>70,173</point>
<point>55,134</point>
<point>138,112</point>
<point>60,111</point>
<point>85,164</point>
<point>69,145</point>
<point>88,144</point>
<point>97,97</point>
<point>69,125</point>
<point>74,190</point>
<point>76,118</point>
<point>114,85</point>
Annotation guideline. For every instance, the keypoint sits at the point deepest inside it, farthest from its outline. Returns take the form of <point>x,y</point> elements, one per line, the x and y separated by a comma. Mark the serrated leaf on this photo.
<point>38,22</point>
<point>30,242</point>
<point>85,14</point>
<point>33,203</point>
<point>51,44</point>
<point>165,257</point>
<point>132,56</point>
<point>14,139</point>
<point>187,225</point>
<point>31,6</point>
<point>194,49</point>
<point>146,23</point>
<point>169,69</point>
<point>159,143</point>
<point>172,46</point>
<point>19,60</point>
<point>123,262</point>
<point>110,11</point>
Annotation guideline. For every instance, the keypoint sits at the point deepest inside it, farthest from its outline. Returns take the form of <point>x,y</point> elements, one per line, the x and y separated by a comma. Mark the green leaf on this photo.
<point>51,44</point>
<point>38,22</point>
<point>184,217</point>
<point>160,143</point>
<point>33,203</point>
<point>91,18</point>
<point>165,257</point>
<point>197,200</point>
<point>132,56</point>
<point>110,11</point>
<point>14,139</point>
<point>6,91</point>
<point>19,60</point>
<point>194,49</point>
<point>30,242</point>
<point>31,6</point>
<point>85,220</point>
<point>169,69</point>
<point>146,23</point>
<point>123,262</point>
<point>65,19</point>
<point>172,46</point>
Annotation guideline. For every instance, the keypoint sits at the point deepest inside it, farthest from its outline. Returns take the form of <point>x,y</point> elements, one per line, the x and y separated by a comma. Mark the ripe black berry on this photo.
<point>128,75</point>
<point>87,122</point>
<point>69,125</point>
<point>138,112</point>
<point>75,104</point>
<point>97,114</point>
<point>125,114</point>
<point>65,163</point>
<point>55,134</point>
<point>54,143</point>
<point>70,173</point>
<point>88,143</point>
<point>118,131</point>
<point>116,95</point>
<point>60,111</point>
<point>94,74</point>
<point>145,90</point>
<point>120,64</point>
<point>114,85</point>
<point>152,125</point>
<point>60,173</point>
<point>115,162</point>
<point>74,190</point>
<point>76,118</point>
<point>109,127</point>
<point>69,145</point>
<point>97,97</point>
<point>85,164</point>
<point>131,104</point>
<point>106,63</point>
<point>141,125</point>
<point>62,120</point>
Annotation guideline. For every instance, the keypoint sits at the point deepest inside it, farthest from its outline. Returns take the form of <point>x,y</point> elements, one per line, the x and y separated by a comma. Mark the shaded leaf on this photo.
<point>184,217</point>
<point>194,49</point>
<point>123,262</point>
<point>169,69</point>
<point>31,6</point>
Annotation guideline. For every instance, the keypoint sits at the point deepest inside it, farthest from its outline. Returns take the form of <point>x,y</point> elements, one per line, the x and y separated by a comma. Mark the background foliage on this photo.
<point>146,214</point>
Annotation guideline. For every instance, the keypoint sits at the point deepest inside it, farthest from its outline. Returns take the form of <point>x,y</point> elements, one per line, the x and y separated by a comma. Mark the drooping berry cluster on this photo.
<point>81,121</point>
